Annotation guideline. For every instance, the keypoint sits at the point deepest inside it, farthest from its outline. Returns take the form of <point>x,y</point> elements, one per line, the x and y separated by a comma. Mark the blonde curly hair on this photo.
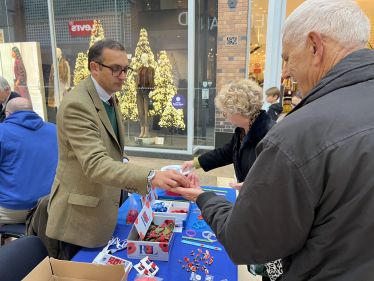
<point>242,97</point>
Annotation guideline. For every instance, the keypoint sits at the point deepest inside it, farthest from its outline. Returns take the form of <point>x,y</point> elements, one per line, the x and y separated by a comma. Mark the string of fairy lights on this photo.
<point>165,86</point>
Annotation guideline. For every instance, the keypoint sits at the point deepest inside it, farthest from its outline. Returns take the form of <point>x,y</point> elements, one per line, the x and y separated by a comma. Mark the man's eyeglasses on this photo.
<point>117,71</point>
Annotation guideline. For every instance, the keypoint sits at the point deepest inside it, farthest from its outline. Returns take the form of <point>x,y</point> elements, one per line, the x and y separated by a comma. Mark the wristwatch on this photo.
<point>151,175</point>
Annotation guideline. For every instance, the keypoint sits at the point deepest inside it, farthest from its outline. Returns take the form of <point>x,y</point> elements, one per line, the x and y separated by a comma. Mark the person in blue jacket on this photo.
<point>28,160</point>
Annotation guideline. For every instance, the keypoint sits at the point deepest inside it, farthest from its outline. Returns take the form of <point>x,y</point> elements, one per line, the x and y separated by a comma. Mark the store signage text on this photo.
<point>82,28</point>
<point>183,20</point>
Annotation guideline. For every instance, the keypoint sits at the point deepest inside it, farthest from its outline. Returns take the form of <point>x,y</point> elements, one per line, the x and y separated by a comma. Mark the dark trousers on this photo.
<point>142,101</point>
<point>70,250</point>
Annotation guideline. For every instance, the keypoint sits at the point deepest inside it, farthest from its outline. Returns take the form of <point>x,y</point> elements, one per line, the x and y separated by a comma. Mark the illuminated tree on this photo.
<point>127,99</point>
<point>175,71</point>
<point>127,96</point>
<point>143,48</point>
<point>81,64</point>
<point>171,118</point>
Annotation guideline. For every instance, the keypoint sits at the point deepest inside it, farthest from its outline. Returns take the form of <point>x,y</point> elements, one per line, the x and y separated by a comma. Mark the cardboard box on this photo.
<point>138,249</point>
<point>54,270</point>
<point>176,205</point>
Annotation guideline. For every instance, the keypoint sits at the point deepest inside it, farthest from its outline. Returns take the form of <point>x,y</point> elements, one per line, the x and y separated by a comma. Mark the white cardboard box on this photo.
<point>176,205</point>
<point>137,249</point>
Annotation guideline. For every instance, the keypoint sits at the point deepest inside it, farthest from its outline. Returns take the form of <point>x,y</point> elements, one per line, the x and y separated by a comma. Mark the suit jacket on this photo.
<point>149,77</point>
<point>84,201</point>
<point>2,110</point>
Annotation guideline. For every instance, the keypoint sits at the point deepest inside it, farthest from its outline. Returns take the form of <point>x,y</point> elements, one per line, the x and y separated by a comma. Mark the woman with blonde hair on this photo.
<point>240,103</point>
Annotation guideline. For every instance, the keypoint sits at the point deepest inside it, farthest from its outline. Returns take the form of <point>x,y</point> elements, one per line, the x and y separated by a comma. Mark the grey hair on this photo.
<point>242,97</point>
<point>341,20</point>
<point>4,84</point>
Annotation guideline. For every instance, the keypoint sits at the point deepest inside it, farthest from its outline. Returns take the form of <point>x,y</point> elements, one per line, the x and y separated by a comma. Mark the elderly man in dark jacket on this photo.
<point>314,170</point>
<point>5,95</point>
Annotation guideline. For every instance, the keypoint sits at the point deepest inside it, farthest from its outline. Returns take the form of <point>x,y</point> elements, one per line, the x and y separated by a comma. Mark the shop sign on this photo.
<point>82,27</point>
<point>257,71</point>
<point>257,65</point>
<point>178,102</point>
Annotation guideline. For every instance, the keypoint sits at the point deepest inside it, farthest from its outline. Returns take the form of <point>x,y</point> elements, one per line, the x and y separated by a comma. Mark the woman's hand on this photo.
<point>187,166</point>
<point>237,186</point>
<point>193,191</point>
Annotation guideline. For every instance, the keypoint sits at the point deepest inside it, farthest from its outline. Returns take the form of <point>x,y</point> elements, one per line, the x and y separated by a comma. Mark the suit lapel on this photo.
<point>121,131</point>
<point>100,107</point>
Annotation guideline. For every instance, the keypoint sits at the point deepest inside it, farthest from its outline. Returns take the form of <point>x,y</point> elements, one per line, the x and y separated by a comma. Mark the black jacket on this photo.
<point>242,156</point>
<point>309,197</point>
<point>2,110</point>
<point>274,110</point>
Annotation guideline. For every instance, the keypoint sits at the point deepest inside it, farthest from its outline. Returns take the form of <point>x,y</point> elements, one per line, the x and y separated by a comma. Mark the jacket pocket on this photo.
<point>83,200</point>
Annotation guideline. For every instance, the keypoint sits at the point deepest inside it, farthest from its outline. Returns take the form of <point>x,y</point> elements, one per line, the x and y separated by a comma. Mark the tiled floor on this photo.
<point>218,177</point>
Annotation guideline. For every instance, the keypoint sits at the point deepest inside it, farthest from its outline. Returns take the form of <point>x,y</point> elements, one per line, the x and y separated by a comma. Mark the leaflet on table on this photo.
<point>151,197</point>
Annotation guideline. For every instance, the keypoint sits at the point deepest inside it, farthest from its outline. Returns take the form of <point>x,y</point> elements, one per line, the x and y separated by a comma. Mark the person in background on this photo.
<point>309,197</point>
<point>272,96</point>
<point>241,103</point>
<point>296,99</point>
<point>28,160</point>
<point>5,96</point>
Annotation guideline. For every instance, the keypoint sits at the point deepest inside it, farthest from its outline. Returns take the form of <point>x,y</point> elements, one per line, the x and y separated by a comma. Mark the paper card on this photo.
<point>143,221</point>
<point>140,268</point>
<point>149,265</point>
<point>151,197</point>
<point>104,258</point>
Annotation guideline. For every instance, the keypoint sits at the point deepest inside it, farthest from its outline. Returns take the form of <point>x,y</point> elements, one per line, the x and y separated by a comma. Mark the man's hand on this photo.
<point>187,166</point>
<point>170,179</point>
<point>193,191</point>
<point>237,186</point>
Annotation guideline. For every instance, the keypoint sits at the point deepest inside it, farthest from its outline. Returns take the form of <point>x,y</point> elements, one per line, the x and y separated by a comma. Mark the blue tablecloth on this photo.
<point>222,268</point>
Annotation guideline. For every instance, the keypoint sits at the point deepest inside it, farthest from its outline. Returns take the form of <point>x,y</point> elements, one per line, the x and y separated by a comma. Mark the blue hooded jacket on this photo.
<point>28,159</point>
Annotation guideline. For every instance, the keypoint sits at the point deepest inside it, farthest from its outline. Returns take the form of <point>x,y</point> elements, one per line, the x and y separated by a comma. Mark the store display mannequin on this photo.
<point>145,82</point>
<point>64,79</point>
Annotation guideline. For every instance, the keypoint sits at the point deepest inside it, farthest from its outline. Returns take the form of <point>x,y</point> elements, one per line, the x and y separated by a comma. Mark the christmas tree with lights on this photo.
<point>143,48</point>
<point>127,96</point>
<point>175,71</point>
<point>171,118</point>
<point>81,70</point>
<point>127,99</point>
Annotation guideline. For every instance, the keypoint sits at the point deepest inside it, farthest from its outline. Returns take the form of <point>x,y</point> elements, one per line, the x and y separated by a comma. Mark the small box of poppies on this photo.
<point>151,235</point>
<point>180,210</point>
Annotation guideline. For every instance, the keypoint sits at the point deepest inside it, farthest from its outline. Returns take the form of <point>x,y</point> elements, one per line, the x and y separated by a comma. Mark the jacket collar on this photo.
<point>355,68</point>
<point>258,128</point>
<point>103,115</point>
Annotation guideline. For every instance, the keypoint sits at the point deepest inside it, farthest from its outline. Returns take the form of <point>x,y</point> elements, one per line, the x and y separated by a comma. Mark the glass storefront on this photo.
<point>168,101</point>
<point>155,35</point>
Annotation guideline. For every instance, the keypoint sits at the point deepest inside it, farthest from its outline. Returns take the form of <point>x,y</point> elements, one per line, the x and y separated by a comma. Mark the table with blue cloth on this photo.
<point>222,267</point>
